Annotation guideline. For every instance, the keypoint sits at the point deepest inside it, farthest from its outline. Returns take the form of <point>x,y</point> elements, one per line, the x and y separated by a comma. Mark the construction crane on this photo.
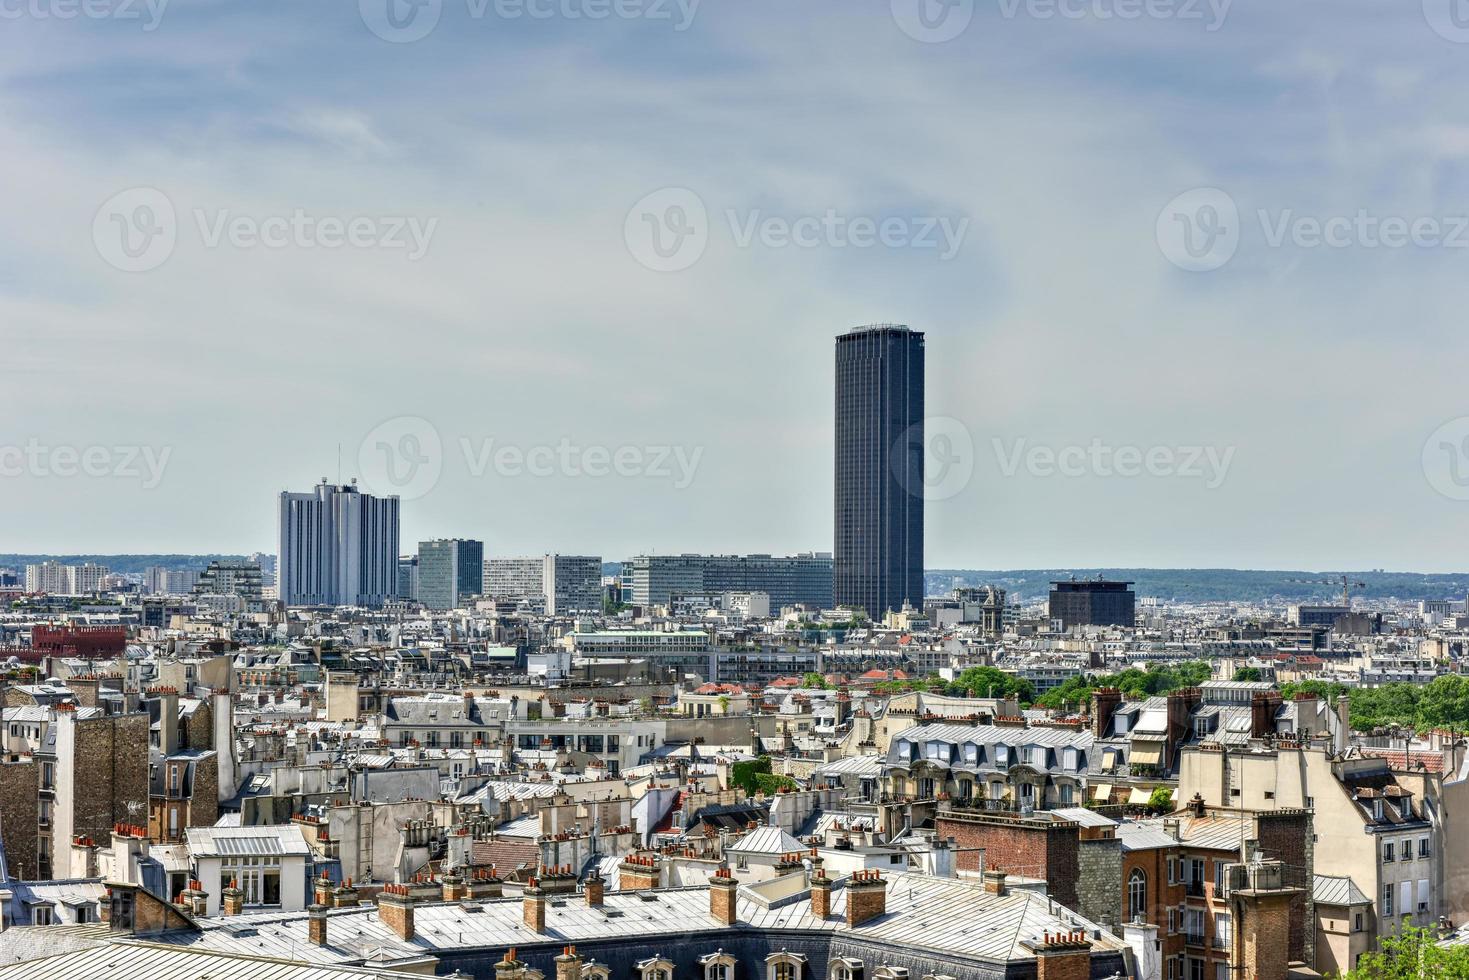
<point>1346,583</point>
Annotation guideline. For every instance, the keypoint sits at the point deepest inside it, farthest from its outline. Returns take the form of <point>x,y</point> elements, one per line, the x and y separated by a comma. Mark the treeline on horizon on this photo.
<point>1215,584</point>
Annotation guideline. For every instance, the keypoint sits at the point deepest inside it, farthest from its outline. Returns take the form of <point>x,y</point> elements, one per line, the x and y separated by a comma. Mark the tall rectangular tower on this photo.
<point>338,547</point>
<point>878,532</point>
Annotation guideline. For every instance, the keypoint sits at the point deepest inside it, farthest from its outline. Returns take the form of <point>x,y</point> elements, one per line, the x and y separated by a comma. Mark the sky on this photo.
<point>566,274</point>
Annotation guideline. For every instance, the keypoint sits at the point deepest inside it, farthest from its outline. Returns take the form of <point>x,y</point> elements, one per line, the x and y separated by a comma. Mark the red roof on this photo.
<point>1430,761</point>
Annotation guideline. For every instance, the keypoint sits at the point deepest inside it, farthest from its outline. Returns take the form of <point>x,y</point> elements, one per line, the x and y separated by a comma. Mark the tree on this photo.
<point>1248,674</point>
<point>1161,801</point>
<point>1413,955</point>
<point>746,775</point>
<point>986,682</point>
<point>813,679</point>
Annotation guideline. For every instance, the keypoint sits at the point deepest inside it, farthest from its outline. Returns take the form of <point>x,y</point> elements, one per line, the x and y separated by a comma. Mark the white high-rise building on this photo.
<point>338,547</point>
<point>567,584</point>
<point>49,576</point>
<point>85,579</point>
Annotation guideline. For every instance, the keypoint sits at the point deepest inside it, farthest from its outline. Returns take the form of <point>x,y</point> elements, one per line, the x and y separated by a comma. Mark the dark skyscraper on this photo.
<point>878,546</point>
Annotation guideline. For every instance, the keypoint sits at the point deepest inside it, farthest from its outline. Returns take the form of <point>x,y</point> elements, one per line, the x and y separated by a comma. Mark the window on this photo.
<point>1222,933</point>
<point>42,915</point>
<point>1386,901</point>
<point>1407,849</point>
<point>1219,876</point>
<point>1067,794</point>
<point>1387,852</point>
<point>1172,921</point>
<point>844,968</point>
<point>1357,923</point>
<point>1422,896</point>
<point>656,968</point>
<point>784,965</point>
<point>1137,895</point>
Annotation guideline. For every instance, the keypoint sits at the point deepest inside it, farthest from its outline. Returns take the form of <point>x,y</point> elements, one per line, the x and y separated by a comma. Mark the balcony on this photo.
<point>1193,938</point>
<point>1194,889</point>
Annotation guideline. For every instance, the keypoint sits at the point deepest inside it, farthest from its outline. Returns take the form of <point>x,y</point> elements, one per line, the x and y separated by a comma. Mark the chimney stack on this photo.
<point>316,925</point>
<point>820,894</point>
<point>594,887</point>
<point>535,906</point>
<point>395,909</point>
<point>232,899</point>
<point>1063,956</point>
<point>722,897</point>
<point>867,897</point>
<point>345,896</point>
<point>568,965</point>
<point>994,883</point>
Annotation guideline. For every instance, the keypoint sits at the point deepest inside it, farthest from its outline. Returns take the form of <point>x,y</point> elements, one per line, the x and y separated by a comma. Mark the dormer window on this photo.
<point>1377,813</point>
<point>718,965</point>
<point>1405,807</point>
<point>655,968</point>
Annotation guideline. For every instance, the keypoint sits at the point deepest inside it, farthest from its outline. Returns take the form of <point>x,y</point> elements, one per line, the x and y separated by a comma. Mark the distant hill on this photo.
<point>1215,584</point>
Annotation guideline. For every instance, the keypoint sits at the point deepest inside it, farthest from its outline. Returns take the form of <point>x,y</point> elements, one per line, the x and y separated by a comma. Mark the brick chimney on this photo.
<point>568,964</point>
<point>535,906</point>
<point>820,894</point>
<point>1064,956</point>
<point>395,909</point>
<point>321,890</point>
<point>867,897</point>
<point>232,899</point>
<point>316,925</point>
<point>638,872</point>
<point>510,968</point>
<point>1263,706</point>
<point>485,883</point>
<point>994,883</point>
<point>722,897</point>
<point>345,896</point>
<point>1105,702</point>
<point>455,889</point>
<point>594,888</point>
<point>194,900</point>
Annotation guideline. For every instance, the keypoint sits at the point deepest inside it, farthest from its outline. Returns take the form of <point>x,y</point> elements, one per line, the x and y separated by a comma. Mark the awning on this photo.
<point>1101,793</point>
<point>1146,754</point>
<point>1140,796</point>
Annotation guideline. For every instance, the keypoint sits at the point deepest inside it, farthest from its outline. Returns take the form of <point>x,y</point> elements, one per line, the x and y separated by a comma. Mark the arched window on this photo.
<point>592,970</point>
<point>845,968</point>
<point>718,965</point>
<point>655,968</point>
<point>1137,895</point>
<point>784,965</point>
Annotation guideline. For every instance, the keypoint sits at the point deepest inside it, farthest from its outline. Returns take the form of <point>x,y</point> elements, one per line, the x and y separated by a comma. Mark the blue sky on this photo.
<point>1053,147</point>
